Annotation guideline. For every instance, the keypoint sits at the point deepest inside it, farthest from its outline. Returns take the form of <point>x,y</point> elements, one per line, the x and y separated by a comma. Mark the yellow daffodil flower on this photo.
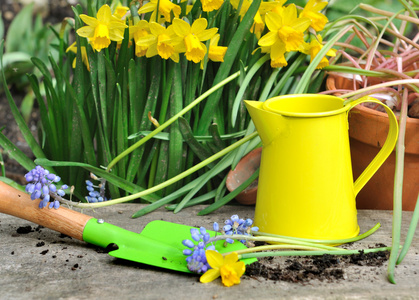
<point>165,7</point>
<point>312,12</point>
<point>228,267</point>
<point>103,29</point>
<point>258,20</point>
<point>136,32</point>
<point>162,41</point>
<point>286,27</point>
<point>120,11</point>
<point>276,53</point>
<point>73,48</point>
<point>193,36</point>
<point>210,5</point>
<point>314,47</point>
<point>215,52</point>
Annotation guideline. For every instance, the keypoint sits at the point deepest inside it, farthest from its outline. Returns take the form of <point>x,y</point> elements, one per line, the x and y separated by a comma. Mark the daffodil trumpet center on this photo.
<point>194,50</point>
<point>229,276</point>
<point>164,48</point>
<point>100,38</point>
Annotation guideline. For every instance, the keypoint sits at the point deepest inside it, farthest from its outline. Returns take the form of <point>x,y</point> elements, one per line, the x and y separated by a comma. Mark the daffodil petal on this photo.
<point>146,40</point>
<point>289,15</point>
<point>273,21</point>
<point>89,20</point>
<point>104,14</point>
<point>231,258</point>
<point>215,39</point>
<point>240,268</point>
<point>207,34</point>
<point>199,25</point>
<point>301,24</point>
<point>152,50</point>
<point>214,259</point>
<point>175,57</point>
<point>209,275</point>
<point>147,8</point>
<point>116,25</point>
<point>278,50</point>
<point>268,39</point>
<point>156,29</point>
<point>86,31</point>
<point>72,48</point>
<point>116,35</point>
<point>181,27</point>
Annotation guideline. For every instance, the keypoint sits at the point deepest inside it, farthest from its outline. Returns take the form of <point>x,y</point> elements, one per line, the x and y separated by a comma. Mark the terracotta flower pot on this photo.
<point>368,130</point>
<point>244,169</point>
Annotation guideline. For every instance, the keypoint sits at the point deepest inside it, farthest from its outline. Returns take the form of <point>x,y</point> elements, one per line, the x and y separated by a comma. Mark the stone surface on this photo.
<point>43,264</point>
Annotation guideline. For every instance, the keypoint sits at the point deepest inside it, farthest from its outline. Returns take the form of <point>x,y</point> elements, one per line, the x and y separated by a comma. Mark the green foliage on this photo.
<point>26,37</point>
<point>99,114</point>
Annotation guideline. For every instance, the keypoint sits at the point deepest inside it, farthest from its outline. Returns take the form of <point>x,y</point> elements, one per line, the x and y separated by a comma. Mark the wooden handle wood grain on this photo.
<point>19,204</point>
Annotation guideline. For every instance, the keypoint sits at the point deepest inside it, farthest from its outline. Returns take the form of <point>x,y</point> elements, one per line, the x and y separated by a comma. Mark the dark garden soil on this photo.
<point>329,268</point>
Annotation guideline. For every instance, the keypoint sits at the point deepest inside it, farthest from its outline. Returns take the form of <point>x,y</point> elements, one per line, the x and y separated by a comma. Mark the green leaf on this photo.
<point>230,196</point>
<point>1,26</point>
<point>175,142</point>
<point>198,149</point>
<point>19,29</point>
<point>14,152</point>
<point>225,67</point>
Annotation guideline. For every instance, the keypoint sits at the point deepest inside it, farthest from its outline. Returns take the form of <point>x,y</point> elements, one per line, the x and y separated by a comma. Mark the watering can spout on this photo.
<point>267,123</point>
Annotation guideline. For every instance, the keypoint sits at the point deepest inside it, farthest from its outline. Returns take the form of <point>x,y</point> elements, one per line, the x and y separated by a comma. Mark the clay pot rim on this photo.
<point>330,83</point>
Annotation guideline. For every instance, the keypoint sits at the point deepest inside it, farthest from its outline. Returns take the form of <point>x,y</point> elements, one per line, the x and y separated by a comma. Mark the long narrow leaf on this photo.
<point>14,152</point>
<point>225,67</point>
<point>230,196</point>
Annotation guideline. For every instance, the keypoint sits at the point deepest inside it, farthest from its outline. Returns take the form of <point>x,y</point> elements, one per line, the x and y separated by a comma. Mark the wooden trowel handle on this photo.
<point>19,204</point>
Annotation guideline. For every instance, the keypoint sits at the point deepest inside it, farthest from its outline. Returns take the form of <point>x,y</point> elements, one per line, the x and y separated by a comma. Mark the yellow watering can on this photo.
<point>306,187</point>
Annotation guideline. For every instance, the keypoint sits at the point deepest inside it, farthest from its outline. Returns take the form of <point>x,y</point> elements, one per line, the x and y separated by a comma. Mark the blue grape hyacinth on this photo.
<point>41,185</point>
<point>94,195</point>
<point>235,225</point>
<point>196,260</point>
<point>201,241</point>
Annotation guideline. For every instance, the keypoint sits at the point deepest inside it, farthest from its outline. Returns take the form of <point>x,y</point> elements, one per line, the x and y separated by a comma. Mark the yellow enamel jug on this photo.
<point>306,186</point>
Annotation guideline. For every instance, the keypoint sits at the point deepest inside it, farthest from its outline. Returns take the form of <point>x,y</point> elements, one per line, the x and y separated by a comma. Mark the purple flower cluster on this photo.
<point>94,195</point>
<point>196,260</point>
<point>42,185</point>
<point>235,225</point>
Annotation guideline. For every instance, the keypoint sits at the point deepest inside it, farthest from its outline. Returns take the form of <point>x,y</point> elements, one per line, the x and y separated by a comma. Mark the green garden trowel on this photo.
<point>159,244</point>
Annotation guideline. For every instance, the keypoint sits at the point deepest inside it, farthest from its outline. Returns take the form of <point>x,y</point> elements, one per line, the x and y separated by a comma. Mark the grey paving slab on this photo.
<point>42,264</point>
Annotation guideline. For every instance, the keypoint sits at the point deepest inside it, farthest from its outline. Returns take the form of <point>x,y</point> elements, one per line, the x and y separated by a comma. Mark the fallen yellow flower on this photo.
<point>228,267</point>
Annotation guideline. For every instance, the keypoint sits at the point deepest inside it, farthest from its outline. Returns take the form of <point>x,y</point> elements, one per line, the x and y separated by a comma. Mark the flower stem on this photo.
<point>410,233</point>
<point>272,240</point>
<point>310,253</point>
<point>398,189</point>
<point>275,247</point>
<point>388,13</point>
<point>329,242</point>
<point>168,182</point>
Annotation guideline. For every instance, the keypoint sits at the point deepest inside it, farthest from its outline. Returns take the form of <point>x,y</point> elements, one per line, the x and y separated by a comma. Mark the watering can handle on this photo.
<point>385,150</point>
